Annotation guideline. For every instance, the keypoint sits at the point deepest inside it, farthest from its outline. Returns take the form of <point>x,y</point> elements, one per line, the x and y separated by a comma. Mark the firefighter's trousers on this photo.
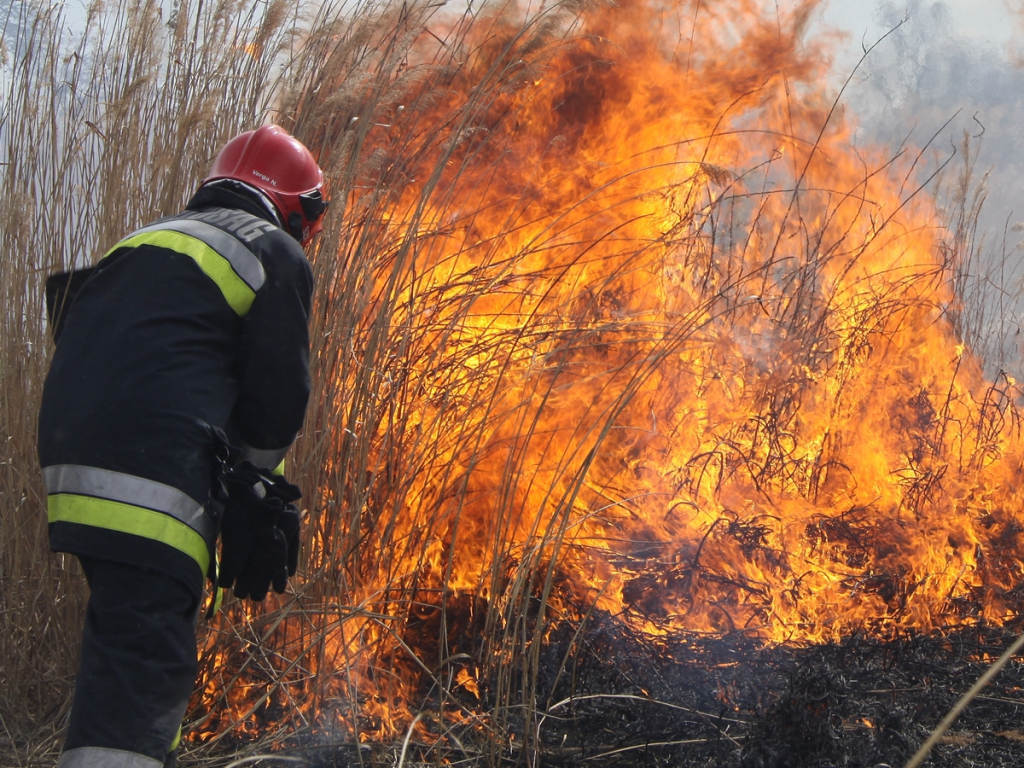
<point>137,670</point>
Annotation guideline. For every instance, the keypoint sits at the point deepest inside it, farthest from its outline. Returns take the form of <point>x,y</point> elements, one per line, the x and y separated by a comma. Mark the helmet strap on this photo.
<point>295,225</point>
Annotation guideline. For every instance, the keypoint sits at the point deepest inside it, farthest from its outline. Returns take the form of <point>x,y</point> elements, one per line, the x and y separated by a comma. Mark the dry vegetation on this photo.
<point>422,382</point>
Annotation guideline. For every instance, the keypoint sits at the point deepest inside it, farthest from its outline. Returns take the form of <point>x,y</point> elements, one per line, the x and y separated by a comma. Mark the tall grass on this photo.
<point>475,284</point>
<point>106,123</point>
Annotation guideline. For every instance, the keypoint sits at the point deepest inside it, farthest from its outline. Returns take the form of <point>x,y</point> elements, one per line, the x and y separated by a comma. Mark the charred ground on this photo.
<point>625,700</point>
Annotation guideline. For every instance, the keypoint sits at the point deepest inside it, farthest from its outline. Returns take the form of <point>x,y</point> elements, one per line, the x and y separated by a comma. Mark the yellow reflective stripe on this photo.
<point>279,469</point>
<point>176,742</point>
<point>127,518</point>
<point>245,263</point>
<point>236,292</point>
<point>129,489</point>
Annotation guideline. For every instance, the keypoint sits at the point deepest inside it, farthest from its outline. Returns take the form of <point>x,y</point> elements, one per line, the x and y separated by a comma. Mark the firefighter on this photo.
<point>189,337</point>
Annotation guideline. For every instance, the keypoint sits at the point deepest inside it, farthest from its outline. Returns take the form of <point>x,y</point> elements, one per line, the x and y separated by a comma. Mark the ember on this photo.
<point>647,351</point>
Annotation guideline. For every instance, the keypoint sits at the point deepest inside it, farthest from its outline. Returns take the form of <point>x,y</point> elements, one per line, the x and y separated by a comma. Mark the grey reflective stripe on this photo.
<point>129,489</point>
<point>265,459</point>
<point>242,260</point>
<point>101,757</point>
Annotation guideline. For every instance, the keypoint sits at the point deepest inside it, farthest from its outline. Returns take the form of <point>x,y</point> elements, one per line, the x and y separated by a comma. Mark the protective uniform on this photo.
<point>191,332</point>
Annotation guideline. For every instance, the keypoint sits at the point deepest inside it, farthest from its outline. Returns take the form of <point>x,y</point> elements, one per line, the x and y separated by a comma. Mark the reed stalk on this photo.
<point>450,506</point>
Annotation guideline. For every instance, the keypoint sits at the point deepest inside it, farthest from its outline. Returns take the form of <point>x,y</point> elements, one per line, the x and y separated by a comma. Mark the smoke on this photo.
<point>925,73</point>
<point>929,72</point>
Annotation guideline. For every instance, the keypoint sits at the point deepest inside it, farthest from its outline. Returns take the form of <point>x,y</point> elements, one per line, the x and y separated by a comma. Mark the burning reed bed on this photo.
<point>649,419</point>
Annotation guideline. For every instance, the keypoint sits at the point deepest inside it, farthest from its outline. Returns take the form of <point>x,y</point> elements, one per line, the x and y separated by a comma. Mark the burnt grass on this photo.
<point>730,700</point>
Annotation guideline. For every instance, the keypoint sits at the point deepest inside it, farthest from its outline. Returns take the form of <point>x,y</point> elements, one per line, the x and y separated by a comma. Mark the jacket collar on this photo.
<point>233,194</point>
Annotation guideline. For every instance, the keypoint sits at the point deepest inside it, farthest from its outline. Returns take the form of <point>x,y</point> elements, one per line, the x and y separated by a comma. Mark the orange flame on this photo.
<point>726,389</point>
<point>664,345</point>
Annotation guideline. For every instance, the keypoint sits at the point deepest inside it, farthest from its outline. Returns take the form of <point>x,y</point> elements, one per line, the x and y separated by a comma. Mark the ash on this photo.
<point>729,701</point>
<point>608,697</point>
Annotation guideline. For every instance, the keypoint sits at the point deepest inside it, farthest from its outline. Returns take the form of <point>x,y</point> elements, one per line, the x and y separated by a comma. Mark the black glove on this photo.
<point>267,564</point>
<point>288,525</point>
<point>259,532</point>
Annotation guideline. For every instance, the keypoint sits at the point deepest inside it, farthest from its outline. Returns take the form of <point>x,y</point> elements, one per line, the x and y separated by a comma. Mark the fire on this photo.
<point>658,343</point>
<point>730,393</point>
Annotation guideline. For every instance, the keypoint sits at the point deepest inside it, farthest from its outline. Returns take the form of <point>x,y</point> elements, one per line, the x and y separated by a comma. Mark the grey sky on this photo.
<point>984,22</point>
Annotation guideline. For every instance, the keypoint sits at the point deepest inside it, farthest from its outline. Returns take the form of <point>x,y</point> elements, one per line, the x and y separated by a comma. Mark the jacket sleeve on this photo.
<point>274,357</point>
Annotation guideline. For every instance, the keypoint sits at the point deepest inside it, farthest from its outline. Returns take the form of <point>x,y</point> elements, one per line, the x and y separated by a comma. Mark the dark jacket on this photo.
<point>194,326</point>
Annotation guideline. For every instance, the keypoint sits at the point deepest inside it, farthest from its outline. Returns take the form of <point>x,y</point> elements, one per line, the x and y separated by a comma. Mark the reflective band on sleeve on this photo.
<point>233,267</point>
<point>101,757</point>
<point>129,489</point>
<point>127,518</point>
<point>270,458</point>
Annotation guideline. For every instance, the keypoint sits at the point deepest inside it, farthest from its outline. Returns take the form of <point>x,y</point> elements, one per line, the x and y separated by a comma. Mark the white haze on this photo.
<point>950,61</point>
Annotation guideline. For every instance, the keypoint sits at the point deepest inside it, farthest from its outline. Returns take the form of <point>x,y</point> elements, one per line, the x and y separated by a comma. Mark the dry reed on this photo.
<point>422,385</point>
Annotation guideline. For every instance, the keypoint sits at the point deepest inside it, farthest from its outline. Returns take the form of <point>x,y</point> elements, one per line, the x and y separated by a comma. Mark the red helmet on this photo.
<point>280,167</point>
